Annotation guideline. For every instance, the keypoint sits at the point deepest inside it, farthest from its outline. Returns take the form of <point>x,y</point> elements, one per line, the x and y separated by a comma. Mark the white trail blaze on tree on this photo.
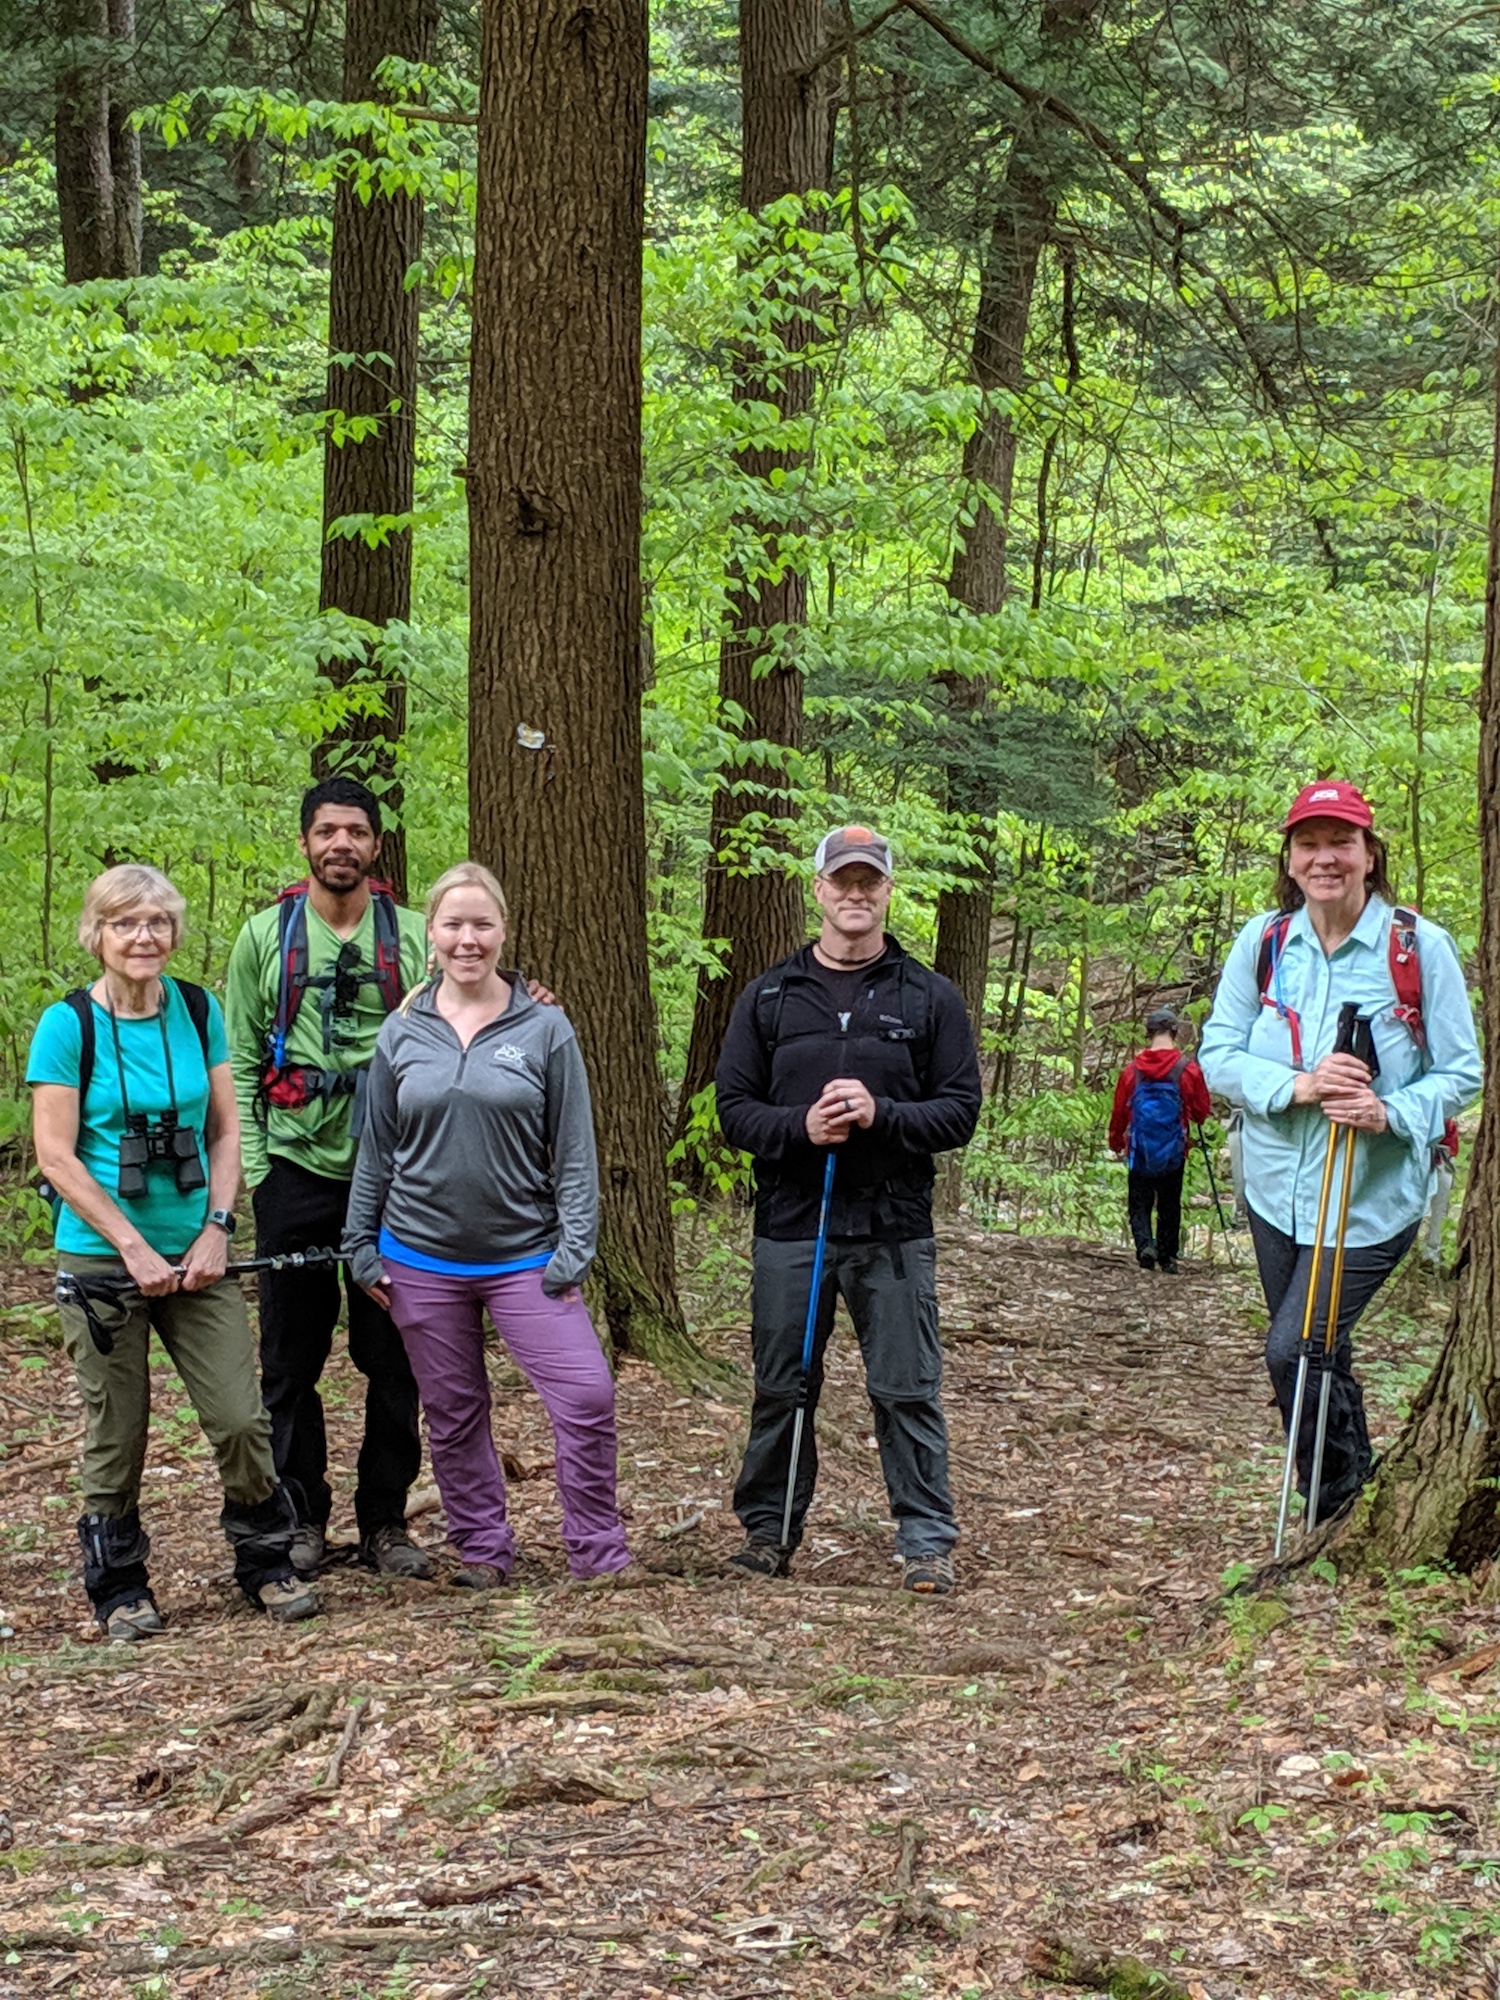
<point>555,780</point>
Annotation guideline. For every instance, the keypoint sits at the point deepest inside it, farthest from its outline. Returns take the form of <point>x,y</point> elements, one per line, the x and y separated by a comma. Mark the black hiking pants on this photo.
<point>298,1210</point>
<point>1163,1193</point>
<point>1285,1267</point>
<point>891,1292</point>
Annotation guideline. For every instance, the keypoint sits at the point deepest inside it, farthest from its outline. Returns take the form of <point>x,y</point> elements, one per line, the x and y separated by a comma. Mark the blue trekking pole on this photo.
<point>808,1333</point>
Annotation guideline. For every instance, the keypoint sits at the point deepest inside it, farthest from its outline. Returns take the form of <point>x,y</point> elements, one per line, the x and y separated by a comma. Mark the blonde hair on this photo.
<point>466,875</point>
<point>120,890</point>
<point>462,875</point>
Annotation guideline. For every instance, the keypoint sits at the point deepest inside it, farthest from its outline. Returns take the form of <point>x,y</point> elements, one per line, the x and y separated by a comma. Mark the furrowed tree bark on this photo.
<point>556,797</point>
<point>978,579</point>
<point>1436,1494</point>
<point>786,127</point>
<point>85,181</point>
<point>374,321</point>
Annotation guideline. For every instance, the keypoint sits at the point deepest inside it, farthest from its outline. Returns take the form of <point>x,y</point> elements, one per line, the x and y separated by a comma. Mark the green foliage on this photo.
<point>1245,542</point>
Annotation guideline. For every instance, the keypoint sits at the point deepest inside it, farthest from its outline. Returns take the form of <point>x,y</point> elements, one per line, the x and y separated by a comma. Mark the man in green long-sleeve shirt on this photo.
<point>310,982</point>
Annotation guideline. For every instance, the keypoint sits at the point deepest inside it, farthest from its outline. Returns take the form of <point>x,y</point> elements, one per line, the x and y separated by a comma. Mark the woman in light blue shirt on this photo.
<point>1268,1048</point>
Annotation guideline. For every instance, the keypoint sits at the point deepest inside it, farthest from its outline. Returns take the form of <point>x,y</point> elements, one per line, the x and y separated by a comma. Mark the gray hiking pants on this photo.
<point>891,1292</point>
<point>1285,1267</point>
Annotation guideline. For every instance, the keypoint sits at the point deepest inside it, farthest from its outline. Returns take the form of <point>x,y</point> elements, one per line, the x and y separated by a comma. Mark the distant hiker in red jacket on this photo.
<point>1158,1092</point>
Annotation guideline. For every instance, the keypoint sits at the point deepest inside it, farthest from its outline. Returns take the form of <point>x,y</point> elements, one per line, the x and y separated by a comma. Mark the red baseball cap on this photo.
<point>1331,798</point>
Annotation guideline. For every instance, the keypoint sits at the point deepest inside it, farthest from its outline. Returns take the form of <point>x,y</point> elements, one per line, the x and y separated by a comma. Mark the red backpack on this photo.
<point>1406,977</point>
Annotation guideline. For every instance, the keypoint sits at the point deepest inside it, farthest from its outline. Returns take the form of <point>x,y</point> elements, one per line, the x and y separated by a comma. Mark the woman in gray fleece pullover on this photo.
<point>476,1188</point>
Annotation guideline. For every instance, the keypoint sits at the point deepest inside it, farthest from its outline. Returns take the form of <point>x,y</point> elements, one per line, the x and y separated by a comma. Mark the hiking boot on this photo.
<point>392,1552</point>
<point>1169,1265</point>
<point>288,1599</point>
<point>128,1623</point>
<point>480,1576</point>
<point>309,1549</point>
<point>762,1558</point>
<point>1146,1260</point>
<point>928,1576</point>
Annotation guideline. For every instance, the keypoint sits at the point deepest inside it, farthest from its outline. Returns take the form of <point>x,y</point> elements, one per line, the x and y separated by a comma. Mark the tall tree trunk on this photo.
<point>124,144</point>
<point>85,180</point>
<point>373,317</point>
<point>978,579</point>
<point>1436,1495</point>
<point>786,126</point>
<point>98,153</point>
<point>556,798</point>
<point>244,153</point>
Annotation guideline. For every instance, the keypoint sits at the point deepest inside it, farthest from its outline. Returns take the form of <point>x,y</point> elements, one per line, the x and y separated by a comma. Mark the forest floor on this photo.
<point>689,1782</point>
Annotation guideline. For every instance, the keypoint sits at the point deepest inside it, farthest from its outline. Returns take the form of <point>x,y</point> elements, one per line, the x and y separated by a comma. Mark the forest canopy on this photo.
<point>1234,269</point>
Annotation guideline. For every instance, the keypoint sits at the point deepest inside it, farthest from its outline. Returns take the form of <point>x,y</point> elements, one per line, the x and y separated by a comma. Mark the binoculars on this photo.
<point>144,1142</point>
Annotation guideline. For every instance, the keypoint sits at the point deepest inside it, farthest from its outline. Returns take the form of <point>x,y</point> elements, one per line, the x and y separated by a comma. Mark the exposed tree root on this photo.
<point>1123,1978</point>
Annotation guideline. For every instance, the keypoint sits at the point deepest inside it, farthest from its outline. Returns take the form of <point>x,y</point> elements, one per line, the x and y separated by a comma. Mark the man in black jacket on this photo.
<point>852,1045</point>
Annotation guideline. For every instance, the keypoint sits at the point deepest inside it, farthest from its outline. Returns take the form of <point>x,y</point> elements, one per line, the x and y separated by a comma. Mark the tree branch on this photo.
<point>841,44</point>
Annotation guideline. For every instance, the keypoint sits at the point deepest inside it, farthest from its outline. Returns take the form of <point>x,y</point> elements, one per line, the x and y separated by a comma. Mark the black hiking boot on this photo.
<point>762,1558</point>
<point>1146,1259</point>
<point>392,1552</point>
<point>1169,1265</point>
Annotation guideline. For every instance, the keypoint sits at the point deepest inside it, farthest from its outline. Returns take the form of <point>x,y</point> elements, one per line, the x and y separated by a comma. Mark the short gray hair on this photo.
<point>120,890</point>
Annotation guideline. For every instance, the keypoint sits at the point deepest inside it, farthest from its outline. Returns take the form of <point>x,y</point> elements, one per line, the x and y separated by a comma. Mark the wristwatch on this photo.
<point>226,1219</point>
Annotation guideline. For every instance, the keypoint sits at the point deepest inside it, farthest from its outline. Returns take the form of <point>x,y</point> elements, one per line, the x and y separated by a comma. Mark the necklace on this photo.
<point>846,964</point>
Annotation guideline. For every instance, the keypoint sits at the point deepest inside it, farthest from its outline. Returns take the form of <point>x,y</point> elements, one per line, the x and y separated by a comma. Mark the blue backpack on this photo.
<point>1158,1144</point>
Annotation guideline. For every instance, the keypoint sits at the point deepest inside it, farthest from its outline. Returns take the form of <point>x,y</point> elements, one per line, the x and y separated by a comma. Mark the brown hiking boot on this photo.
<point>288,1599</point>
<point>129,1623</point>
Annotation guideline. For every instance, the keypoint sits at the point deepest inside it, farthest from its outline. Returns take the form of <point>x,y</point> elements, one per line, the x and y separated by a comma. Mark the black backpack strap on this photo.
<point>913,978</point>
<point>195,998</point>
<point>83,1007</point>
<point>1174,1074</point>
<point>769,1001</point>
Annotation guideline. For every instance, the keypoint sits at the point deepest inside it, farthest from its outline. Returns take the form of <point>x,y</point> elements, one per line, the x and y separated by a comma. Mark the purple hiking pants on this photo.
<point>553,1342</point>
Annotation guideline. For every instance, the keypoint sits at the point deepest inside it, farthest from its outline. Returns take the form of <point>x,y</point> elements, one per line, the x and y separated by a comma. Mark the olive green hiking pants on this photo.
<point>207,1336</point>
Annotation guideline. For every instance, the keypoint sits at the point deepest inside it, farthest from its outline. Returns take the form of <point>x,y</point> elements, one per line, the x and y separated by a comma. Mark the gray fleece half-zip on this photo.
<point>478,1155</point>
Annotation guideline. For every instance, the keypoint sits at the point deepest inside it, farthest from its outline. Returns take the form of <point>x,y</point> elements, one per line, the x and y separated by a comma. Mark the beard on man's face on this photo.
<point>340,871</point>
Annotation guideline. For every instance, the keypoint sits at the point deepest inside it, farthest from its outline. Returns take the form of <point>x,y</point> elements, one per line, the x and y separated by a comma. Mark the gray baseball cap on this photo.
<point>1162,1021</point>
<point>848,844</point>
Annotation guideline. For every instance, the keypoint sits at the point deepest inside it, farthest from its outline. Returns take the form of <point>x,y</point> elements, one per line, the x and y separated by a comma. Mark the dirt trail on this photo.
<point>692,1783</point>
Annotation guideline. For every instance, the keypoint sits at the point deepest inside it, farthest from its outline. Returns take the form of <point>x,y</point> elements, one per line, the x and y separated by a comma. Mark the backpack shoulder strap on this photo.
<point>1406,972</point>
<point>1272,943</point>
<point>291,956</point>
<point>915,978</point>
<point>770,997</point>
<point>83,1007</point>
<point>387,947</point>
<point>195,999</point>
<point>1174,1074</point>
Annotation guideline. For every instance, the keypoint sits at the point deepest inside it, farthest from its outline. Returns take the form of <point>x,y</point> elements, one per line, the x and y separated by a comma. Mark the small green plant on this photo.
<point>1262,1817</point>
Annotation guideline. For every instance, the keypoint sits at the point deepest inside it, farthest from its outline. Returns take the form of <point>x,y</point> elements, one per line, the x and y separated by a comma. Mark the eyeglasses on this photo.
<point>158,929</point>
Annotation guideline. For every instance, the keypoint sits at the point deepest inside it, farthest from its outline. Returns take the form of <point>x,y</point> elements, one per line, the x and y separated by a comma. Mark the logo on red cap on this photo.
<point>1330,799</point>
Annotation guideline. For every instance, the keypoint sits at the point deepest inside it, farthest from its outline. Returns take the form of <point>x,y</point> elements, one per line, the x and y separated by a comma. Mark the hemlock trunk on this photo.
<point>373,317</point>
<point>786,124</point>
<point>555,779</point>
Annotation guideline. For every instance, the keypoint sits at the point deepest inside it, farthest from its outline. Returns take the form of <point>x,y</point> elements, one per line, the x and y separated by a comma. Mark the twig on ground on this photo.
<point>345,1744</point>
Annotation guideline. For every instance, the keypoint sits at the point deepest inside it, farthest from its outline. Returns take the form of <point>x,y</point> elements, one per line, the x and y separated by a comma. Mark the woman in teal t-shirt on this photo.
<point>144,1160</point>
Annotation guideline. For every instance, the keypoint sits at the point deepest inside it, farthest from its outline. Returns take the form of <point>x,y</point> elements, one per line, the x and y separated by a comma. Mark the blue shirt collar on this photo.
<point>1369,931</point>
